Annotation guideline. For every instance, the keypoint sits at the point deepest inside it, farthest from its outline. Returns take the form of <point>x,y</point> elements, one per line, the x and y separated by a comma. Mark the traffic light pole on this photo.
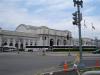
<point>77,21</point>
<point>80,37</point>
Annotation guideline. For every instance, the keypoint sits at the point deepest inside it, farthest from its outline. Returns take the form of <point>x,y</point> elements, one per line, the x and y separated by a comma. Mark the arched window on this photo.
<point>68,37</point>
<point>31,43</point>
<point>16,45</point>
<point>64,42</point>
<point>21,45</point>
<point>35,43</point>
<point>44,37</point>
<point>51,42</point>
<point>5,43</point>
<point>11,44</point>
<point>58,42</point>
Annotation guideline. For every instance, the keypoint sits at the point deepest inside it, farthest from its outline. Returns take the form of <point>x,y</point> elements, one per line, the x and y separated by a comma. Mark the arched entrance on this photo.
<point>21,46</point>
<point>11,44</point>
<point>58,42</point>
<point>64,42</point>
<point>16,45</point>
<point>5,43</point>
<point>51,42</point>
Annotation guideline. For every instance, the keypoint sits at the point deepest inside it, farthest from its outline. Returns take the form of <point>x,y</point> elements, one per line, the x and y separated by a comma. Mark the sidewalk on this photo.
<point>85,54</point>
<point>61,72</point>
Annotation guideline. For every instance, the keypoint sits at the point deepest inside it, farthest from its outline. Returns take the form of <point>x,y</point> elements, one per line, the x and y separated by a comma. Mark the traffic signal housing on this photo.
<point>80,17</point>
<point>75,18</point>
<point>74,2</point>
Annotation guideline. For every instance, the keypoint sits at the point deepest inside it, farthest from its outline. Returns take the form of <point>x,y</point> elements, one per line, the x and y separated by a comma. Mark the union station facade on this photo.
<point>27,35</point>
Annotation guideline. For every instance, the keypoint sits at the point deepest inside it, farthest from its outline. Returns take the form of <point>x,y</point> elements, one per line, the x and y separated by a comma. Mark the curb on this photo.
<point>55,71</point>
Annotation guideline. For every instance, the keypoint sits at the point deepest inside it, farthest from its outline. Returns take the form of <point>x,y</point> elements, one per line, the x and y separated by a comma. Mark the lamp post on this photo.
<point>77,21</point>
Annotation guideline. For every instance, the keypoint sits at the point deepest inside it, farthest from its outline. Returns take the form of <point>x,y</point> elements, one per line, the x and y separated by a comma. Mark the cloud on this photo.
<point>18,15</point>
<point>89,31</point>
<point>56,14</point>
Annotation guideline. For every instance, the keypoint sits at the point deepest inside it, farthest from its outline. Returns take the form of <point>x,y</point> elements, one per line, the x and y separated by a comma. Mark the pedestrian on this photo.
<point>43,52</point>
<point>75,67</point>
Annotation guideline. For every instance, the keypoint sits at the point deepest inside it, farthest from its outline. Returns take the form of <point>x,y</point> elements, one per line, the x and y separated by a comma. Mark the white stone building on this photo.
<point>85,42</point>
<point>31,35</point>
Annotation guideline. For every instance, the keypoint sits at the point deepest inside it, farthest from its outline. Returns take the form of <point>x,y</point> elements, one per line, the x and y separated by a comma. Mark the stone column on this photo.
<point>8,41</point>
<point>28,42</point>
<point>19,44</point>
<point>14,42</point>
<point>0,40</point>
<point>24,43</point>
<point>40,41</point>
<point>1,37</point>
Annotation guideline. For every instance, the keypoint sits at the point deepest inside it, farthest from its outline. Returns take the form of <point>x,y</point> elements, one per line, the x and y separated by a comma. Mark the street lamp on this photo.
<point>77,17</point>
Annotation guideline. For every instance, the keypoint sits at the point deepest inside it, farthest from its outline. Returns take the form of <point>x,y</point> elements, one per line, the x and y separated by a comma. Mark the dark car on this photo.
<point>30,50</point>
<point>96,51</point>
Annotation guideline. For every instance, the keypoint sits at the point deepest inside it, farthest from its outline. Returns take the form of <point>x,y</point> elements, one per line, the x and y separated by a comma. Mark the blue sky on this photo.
<point>56,14</point>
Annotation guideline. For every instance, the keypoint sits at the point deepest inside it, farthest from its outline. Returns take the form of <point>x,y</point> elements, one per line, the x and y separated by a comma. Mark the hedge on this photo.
<point>71,49</point>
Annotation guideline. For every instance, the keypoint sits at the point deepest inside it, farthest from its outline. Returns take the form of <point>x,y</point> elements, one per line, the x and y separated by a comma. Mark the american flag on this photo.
<point>85,24</point>
<point>93,26</point>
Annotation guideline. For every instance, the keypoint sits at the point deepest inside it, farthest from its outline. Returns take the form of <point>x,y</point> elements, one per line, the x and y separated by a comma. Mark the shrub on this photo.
<point>72,49</point>
<point>21,50</point>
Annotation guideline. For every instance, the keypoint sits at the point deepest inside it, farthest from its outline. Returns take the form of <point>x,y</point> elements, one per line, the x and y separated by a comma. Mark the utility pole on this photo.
<point>77,21</point>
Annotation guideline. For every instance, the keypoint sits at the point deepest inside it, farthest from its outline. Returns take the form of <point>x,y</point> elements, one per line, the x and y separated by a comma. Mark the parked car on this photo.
<point>96,51</point>
<point>30,50</point>
<point>8,48</point>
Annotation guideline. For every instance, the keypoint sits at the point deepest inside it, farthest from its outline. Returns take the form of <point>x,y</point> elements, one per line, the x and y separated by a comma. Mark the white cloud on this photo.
<point>20,15</point>
<point>55,14</point>
<point>89,31</point>
<point>88,10</point>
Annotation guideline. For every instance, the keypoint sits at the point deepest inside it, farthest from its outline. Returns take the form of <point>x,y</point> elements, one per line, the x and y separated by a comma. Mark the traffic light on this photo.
<point>78,2</point>
<point>81,3</point>
<point>74,2</point>
<point>75,18</point>
<point>80,17</point>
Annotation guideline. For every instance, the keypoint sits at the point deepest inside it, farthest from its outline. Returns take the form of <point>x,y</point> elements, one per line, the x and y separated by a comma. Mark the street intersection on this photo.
<point>32,63</point>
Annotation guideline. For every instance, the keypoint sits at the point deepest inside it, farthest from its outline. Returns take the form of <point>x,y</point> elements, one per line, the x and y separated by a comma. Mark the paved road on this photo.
<point>71,72</point>
<point>27,63</point>
<point>30,63</point>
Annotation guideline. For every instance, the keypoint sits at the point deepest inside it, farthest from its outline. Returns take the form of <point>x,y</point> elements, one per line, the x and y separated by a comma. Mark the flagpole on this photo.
<point>92,31</point>
<point>84,28</point>
<point>93,28</point>
<point>92,34</point>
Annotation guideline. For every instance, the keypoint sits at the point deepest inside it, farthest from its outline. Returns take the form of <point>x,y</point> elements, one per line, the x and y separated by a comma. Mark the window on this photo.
<point>31,43</point>
<point>5,43</point>
<point>35,44</point>
<point>11,44</point>
<point>64,42</point>
<point>16,45</point>
<point>58,42</point>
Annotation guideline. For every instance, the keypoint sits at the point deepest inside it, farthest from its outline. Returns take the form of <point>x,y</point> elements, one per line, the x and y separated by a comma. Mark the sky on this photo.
<point>56,14</point>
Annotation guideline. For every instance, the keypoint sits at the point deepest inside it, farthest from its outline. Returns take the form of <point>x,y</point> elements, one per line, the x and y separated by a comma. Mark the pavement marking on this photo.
<point>47,70</point>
